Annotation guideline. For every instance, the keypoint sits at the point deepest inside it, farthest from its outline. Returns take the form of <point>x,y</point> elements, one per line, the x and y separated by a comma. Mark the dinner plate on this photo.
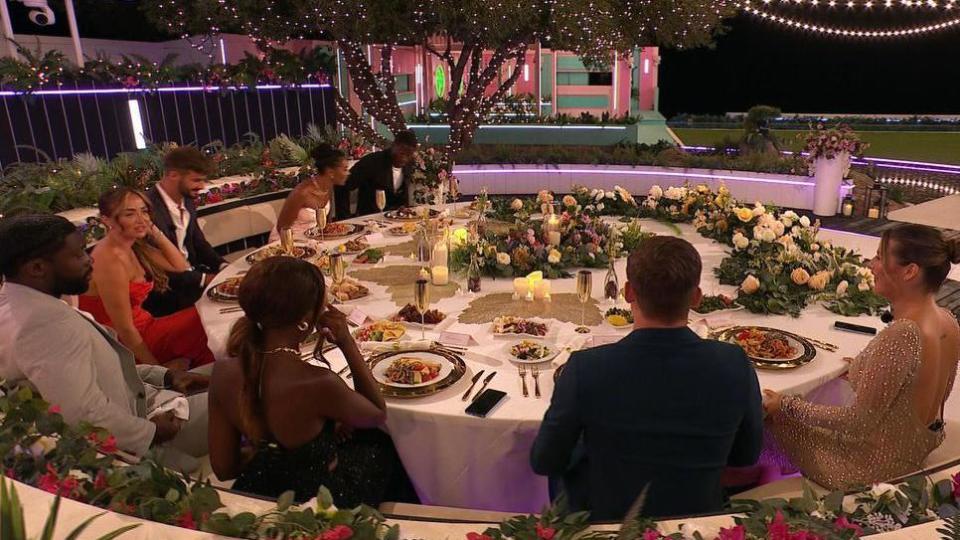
<point>216,293</point>
<point>380,368</point>
<point>805,351</point>
<point>522,336</point>
<point>552,353</point>
<point>301,251</point>
<point>396,215</point>
<point>349,228</point>
<point>399,231</point>
<point>458,368</point>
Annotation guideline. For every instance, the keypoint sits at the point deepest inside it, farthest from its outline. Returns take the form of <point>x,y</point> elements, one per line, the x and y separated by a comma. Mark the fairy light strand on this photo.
<point>830,30</point>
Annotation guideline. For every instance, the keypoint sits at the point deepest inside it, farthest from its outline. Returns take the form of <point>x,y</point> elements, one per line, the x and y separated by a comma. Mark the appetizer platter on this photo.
<point>405,229</point>
<point>510,326</point>
<point>300,251</point>
<point>334,230</point>
<point>348,289</point>
<point>408,213</point>
<point>356,245</point>
<point>716,303</point>
<point>370,256</point>
<point>409,315</point>
<point>531,352</point>
<point>227,290</point>
<point>618,318</point>
<point>380,331</point>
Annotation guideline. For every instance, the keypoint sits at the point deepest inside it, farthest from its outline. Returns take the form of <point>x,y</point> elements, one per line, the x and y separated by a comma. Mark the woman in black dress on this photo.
<point>293,425</point>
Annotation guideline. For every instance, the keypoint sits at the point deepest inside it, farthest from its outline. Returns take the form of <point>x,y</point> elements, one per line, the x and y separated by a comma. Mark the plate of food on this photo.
<point>531,352</point>
<point>227,290</point>
<point>380,331</point>
<point>300,251</point>
<point>347,290</point>
<point>618,318</point>
<point>370,256</point>
<point>716,303</point>
<point>409,213</point>
<point>356,245</point>
<point>410,316</point>
<point>334,230</point>
<point>405,229</point>
<point>770,348</point>
<point>510,326</point>
<point>412,369</point>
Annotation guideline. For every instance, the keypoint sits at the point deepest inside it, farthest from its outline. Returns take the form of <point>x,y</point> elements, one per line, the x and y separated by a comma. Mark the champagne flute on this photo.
<point>421,300</point>
<point>381,199</point>
<point>584,291</point>
<point>322,218</point>
<point>286,240</point>
<point>338,268</point>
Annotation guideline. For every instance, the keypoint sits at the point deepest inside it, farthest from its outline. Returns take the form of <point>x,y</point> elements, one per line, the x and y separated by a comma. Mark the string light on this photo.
<point>867,4</point>
<point>849,32</point>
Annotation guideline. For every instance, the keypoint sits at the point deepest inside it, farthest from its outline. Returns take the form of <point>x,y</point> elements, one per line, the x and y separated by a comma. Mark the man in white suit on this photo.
<point>78,364</point>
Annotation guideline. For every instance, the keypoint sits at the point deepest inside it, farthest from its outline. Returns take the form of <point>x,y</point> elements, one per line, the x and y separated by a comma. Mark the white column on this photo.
<point>7,30</point>
<point>74,33</point>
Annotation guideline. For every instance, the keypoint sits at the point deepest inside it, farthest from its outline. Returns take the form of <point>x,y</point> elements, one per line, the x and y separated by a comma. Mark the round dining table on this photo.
<point>459,460</point>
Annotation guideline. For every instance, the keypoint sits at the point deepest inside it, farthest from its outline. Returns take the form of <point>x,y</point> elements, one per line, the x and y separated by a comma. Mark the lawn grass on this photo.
<point>934,146</point>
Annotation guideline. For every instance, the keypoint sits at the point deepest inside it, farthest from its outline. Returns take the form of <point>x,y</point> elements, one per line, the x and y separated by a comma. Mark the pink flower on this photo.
<point>49,482</point>
<point>10,473</point>
<point>108,445</point>
<point>477,536</point>
<point>651,534</point>
<point>54,409</point>
<point>736,533</point>
<point>186,521</point>
<point>100,481</point>
<point>340,532</point>
<point>545,532</point>
<point>843,524</point>
<point>778,529</point>
<point>804,535</point>
<point>956,486</point>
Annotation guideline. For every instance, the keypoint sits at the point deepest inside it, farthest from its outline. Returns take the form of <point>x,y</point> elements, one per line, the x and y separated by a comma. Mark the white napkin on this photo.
<point>179,405</point>
<point>377,347</point>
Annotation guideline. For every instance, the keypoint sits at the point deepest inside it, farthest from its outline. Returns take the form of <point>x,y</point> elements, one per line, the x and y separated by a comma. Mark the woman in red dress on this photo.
<point>131,260</point>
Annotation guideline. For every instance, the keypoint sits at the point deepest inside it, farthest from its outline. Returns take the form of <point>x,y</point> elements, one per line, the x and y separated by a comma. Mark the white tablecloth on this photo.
<point>458,460</point>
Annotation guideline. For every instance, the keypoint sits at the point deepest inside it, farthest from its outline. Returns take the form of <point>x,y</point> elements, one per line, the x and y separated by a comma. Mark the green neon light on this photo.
<point>439,81</point>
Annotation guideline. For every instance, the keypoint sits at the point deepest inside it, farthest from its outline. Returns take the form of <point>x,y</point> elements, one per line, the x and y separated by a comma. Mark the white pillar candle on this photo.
<point>873,213</point>
<point>541,289</point>
<point>553,238</point>
<point>519,288</point>
<point>441,275</point>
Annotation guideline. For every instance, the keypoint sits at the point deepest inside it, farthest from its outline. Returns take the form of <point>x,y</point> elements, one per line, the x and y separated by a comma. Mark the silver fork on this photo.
<point>523,378</point>
<point>535,373</point>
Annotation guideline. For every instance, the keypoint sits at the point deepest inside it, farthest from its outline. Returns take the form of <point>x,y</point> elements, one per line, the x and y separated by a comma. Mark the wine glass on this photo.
<point>584,290</point>
<point>286,240</point>
<point>421,300</point>
<point>381,199</point>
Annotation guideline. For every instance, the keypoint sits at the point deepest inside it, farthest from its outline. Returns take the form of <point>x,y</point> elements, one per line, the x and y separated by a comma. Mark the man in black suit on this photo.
<point>661,410</point>
<point>386,170</point>
<point>174,212</point>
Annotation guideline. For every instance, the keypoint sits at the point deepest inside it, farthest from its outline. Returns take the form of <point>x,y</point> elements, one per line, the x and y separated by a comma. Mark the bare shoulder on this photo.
<point>227,376</point>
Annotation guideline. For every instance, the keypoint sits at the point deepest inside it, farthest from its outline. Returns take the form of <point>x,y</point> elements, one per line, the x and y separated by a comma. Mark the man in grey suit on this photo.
<point>76,363</point>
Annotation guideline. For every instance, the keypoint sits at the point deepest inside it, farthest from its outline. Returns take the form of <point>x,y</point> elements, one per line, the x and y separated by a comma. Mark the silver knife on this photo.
<point>472,384</point>
<point>484,386</point>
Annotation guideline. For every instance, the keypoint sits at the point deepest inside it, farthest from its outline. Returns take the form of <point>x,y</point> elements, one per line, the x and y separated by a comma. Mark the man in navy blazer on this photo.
<point>661,410</point>
<point>174,212</point>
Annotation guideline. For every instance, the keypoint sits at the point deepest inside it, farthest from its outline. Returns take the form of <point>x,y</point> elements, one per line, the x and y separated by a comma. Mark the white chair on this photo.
<point>225,227</point>
<point>263,216</point>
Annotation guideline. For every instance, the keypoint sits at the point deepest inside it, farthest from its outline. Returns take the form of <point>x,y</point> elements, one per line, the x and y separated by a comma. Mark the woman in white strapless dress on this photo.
<point>299,209</point>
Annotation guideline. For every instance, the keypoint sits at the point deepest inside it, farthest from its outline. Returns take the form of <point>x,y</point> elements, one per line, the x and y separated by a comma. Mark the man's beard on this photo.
<point>75,286</point>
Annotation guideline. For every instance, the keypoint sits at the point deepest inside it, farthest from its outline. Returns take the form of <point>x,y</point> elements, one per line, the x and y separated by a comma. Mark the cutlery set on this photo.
<point>483,386</point>
<point>535,375</point>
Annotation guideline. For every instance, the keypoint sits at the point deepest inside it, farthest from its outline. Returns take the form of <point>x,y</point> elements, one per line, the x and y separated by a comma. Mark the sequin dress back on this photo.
<point>878,436</point>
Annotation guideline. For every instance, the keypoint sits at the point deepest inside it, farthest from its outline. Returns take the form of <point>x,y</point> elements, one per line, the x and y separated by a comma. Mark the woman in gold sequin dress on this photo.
<point>901,379</point>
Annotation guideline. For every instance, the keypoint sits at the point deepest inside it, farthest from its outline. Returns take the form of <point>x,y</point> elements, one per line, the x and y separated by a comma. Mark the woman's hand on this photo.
<point>332,324</point>
<point>772,402</point>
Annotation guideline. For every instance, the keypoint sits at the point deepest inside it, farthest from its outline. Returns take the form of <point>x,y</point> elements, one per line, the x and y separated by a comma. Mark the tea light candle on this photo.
<point>520,286</point>
<point>847,209</point>
<point>541,289</point>
<point>873,213</point>
<point>441,275</point>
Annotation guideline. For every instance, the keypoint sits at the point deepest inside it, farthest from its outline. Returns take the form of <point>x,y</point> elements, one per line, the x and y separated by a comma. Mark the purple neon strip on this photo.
<point>100,91</point>
<point>636,173</point>
<point>879,162</point>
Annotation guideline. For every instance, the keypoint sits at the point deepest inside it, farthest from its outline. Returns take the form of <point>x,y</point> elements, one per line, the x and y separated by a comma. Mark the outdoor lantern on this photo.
<point>878,209</point>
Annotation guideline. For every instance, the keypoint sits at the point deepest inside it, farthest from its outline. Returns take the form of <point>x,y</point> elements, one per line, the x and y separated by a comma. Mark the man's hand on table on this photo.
<point>186,382</point>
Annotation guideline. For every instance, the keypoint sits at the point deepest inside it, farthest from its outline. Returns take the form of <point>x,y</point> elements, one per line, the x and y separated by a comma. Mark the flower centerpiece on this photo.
<point>828,156</point>
<point>830,143</point>
<point>432,174</point>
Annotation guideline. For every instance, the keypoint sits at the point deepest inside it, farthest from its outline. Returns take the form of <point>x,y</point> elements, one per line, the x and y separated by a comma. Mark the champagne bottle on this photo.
<point>473,275</point>
<point>423,247</point>
<point>611,284</point>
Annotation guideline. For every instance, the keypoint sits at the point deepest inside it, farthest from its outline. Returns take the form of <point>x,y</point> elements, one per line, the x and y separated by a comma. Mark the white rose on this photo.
<point>692,531</point>
<point>778,228</point>
<point>750,285</point>
<point>768,235</point>
<point>842,288</point>
<point>656,192</point>
<point>805,221</point>
<point>599,195</point>
<point>814,247</point>
<point>650,203</point>
<point>787,222</point>
<point>517,204</point>
<point>503,258</point>
<point>759,210</point>
<point>79,475</point>
<point>610,195</point>
<point>850,504</point>
<point>600,207</point>
<point>795,229</point>
<point>878,491</point>
<point>863,286</point>
<point>43,446</point>
<point>740,241</point>
<point>553,257</point>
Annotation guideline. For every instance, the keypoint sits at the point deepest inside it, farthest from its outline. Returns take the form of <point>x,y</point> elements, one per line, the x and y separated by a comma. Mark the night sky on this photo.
<point>755,62</point>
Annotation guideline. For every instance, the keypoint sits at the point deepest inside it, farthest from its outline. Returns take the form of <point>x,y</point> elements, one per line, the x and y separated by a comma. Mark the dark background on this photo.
<point>754,62</point>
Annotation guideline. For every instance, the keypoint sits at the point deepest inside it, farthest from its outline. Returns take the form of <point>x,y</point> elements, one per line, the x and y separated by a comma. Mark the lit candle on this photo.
<point>847,209</point>
<point>553,238</point>
<point>441,275</point>
<point>873,213</point>
<point>541,289</point>
<point>520,286</point>
<point>459,236</point>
